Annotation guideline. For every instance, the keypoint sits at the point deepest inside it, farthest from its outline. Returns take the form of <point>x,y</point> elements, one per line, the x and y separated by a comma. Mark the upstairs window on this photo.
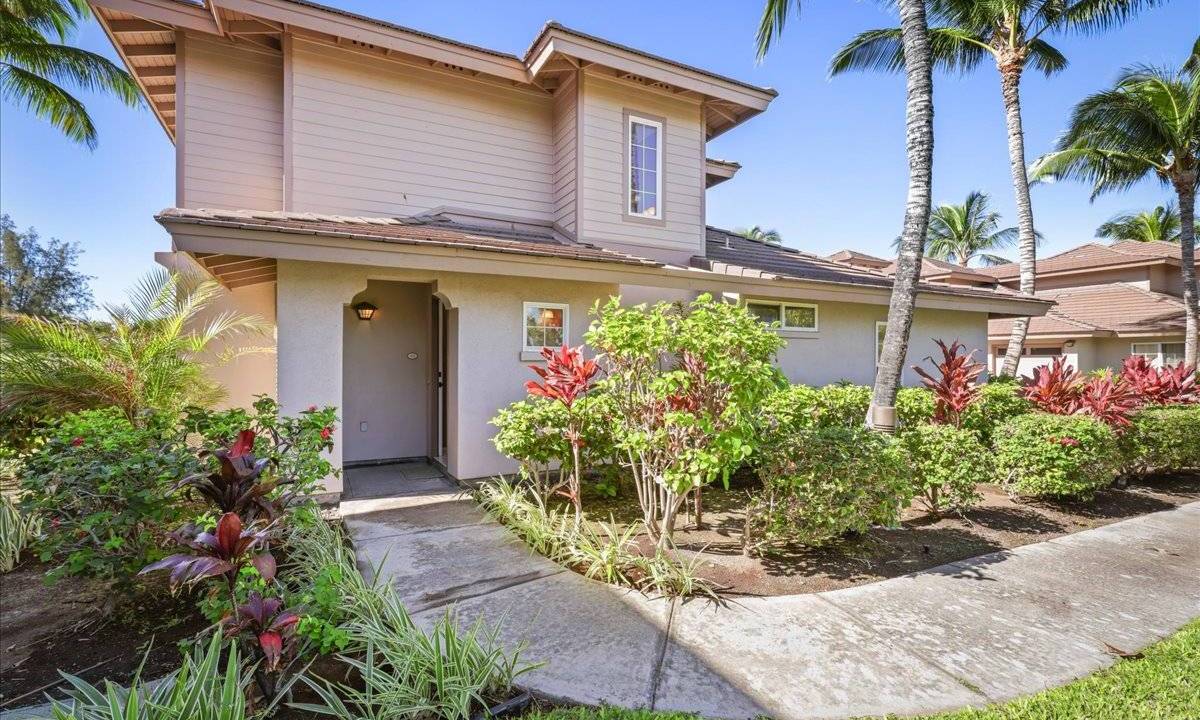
<point>644,141</point>
<point>545,325</point>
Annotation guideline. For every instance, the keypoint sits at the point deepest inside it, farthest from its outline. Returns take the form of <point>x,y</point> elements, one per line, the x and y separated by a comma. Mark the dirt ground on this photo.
<point>47,628</point>
<point>921,542</point>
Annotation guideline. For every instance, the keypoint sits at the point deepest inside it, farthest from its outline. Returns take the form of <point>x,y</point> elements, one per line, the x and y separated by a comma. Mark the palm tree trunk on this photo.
<point>1010,85</point>
<point>1185,186</point>
<point>914,33</point>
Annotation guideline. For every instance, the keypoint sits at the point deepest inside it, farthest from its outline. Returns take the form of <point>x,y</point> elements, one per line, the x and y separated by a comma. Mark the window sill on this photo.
<point>532,356</point>
<point>798,334</point>
<point>628,217</point>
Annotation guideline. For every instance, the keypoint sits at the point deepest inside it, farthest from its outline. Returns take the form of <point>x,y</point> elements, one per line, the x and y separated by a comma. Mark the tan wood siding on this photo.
<point>385,138</point>
<point>603,189</point>
<point>565,156</point>
<point>233,131</point>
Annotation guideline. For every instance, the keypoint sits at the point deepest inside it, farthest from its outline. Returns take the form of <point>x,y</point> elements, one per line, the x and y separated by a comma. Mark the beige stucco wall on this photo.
<point>843,348</point>
<point>1083,354</point>
<point>385,374</point>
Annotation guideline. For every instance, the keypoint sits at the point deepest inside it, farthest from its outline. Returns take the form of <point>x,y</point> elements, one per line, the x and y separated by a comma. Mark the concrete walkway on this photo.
<point>967,633</point>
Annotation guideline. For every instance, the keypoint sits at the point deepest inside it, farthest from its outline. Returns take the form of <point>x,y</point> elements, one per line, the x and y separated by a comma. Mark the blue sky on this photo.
<point>825,164</point>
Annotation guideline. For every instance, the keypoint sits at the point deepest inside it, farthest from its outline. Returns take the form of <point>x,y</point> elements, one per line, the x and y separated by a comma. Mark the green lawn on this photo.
<point>1162,685</point>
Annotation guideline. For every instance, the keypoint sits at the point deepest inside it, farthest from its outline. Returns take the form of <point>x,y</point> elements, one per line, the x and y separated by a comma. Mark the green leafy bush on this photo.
<point>947,463</point>
<point>297,446</point>
<point>821,483</point>
<point>1043,455</point>
<point>17,529</point>
<point>1162,439</point>
<point>914,407</point>
<point>999,401</point>
<point>842,405</point>
<point>102,487</point>
<point>532,432</point>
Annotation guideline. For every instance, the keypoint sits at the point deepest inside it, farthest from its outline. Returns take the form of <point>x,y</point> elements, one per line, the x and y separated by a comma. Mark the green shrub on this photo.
<point>102,488</point>
<point>998,402</point>
<point>947,463</point>
<point>17,529</point>
<point>1162,439</point>
<point>842,405</point>
<point>297,445</point>
<point>533,432</point>
<point>914,407</point>
<point>1042,455</point>
<point>821,483</point>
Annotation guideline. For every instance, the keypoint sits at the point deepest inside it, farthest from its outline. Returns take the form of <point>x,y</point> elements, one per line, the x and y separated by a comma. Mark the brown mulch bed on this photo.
<point>920,543</point>
<point>45,628</point>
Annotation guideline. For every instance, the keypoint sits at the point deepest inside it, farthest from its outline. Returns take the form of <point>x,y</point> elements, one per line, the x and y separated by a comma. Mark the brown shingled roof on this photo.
<point>419,230</point>
<point>1094,255</point>
<point>1106,310</point>
<point>740,255</point>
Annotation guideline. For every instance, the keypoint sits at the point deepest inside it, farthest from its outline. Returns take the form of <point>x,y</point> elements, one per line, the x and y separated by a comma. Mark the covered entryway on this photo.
<point>390,375</point>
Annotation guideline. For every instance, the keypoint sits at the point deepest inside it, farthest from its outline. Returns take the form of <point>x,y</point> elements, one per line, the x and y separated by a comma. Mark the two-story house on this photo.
<point>1111,301</point>
<point>418,217</point>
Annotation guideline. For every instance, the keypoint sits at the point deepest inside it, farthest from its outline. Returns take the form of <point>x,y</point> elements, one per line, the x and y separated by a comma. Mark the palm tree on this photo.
<point>914,39</point>
<point>760,234</point>
<point>1011,33</point>
<point>959,233</point>
<point>33,68</point>
<point>148,355</point>
<point>1146,125</point>
<point>1158,225</point>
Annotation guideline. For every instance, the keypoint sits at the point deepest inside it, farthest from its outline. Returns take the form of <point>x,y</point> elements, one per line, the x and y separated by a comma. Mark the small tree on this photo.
<point>686,382</point>
<point>566,378</point>
<point>40,278</point>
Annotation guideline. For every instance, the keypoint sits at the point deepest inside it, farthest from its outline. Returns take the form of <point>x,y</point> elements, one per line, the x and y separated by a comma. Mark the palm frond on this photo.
<point>48,101</point>
<point>770,27</point>
<point>1045,58</point>
<point>953,50</point>
<point>1094,16</point>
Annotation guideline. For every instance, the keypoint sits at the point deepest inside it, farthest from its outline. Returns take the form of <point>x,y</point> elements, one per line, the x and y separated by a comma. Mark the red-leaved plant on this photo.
<point>956,386</point>
<point>1109,399</point>
<point>566,378</point>
<point>1160,386</point>
<point>1053,388</point>
<point>222,552</point>
<point>238,485</point>
<point>269,630</point>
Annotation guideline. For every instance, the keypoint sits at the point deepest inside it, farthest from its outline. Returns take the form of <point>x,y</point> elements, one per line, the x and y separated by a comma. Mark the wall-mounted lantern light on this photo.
<point>365,310</point>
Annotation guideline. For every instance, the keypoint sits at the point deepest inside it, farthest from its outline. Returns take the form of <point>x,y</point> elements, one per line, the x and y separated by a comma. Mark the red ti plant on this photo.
<point>1053,388</point>
<point>238,485</point>
<point>956,388</point>
<point>1109,399</point>
<point>220,553</point>
<point>566,378</point>
<point>273,629</point>
<point>1160,386</point>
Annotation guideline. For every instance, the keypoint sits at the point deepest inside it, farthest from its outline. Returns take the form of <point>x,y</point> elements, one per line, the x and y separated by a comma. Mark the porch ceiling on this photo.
<point>234,271</point>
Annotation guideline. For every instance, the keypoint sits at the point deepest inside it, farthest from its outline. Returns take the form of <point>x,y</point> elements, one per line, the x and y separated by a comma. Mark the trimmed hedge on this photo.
<point>1065,456</point>
<point>947,463</point>
<point>821,483</point>
<point>914,407</point>
<point>1162,439</point>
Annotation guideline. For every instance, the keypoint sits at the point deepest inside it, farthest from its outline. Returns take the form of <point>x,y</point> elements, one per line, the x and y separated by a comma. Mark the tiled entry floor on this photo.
<point>405,478</point>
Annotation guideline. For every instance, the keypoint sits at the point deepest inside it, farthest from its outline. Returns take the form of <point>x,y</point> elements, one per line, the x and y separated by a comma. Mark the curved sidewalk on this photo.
<point>968,633</point>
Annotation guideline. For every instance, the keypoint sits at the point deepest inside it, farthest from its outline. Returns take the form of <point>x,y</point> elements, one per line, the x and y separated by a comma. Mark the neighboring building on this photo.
<point>1111,301</point>
<point>481,201</point>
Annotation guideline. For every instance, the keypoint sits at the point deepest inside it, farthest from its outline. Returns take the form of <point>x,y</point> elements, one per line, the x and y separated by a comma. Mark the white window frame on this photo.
<point>878,343</point>
<point>566,313</point>
<point>1158,359</point>
<point>783,306</point>
<point>632,118</point>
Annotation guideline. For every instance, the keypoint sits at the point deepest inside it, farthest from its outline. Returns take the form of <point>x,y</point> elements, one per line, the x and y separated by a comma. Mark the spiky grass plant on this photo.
<point>16,530</point>
<point>198,690</point>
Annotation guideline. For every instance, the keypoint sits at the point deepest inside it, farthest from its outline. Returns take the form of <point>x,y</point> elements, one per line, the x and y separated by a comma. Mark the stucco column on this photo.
<point>310,299</point>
